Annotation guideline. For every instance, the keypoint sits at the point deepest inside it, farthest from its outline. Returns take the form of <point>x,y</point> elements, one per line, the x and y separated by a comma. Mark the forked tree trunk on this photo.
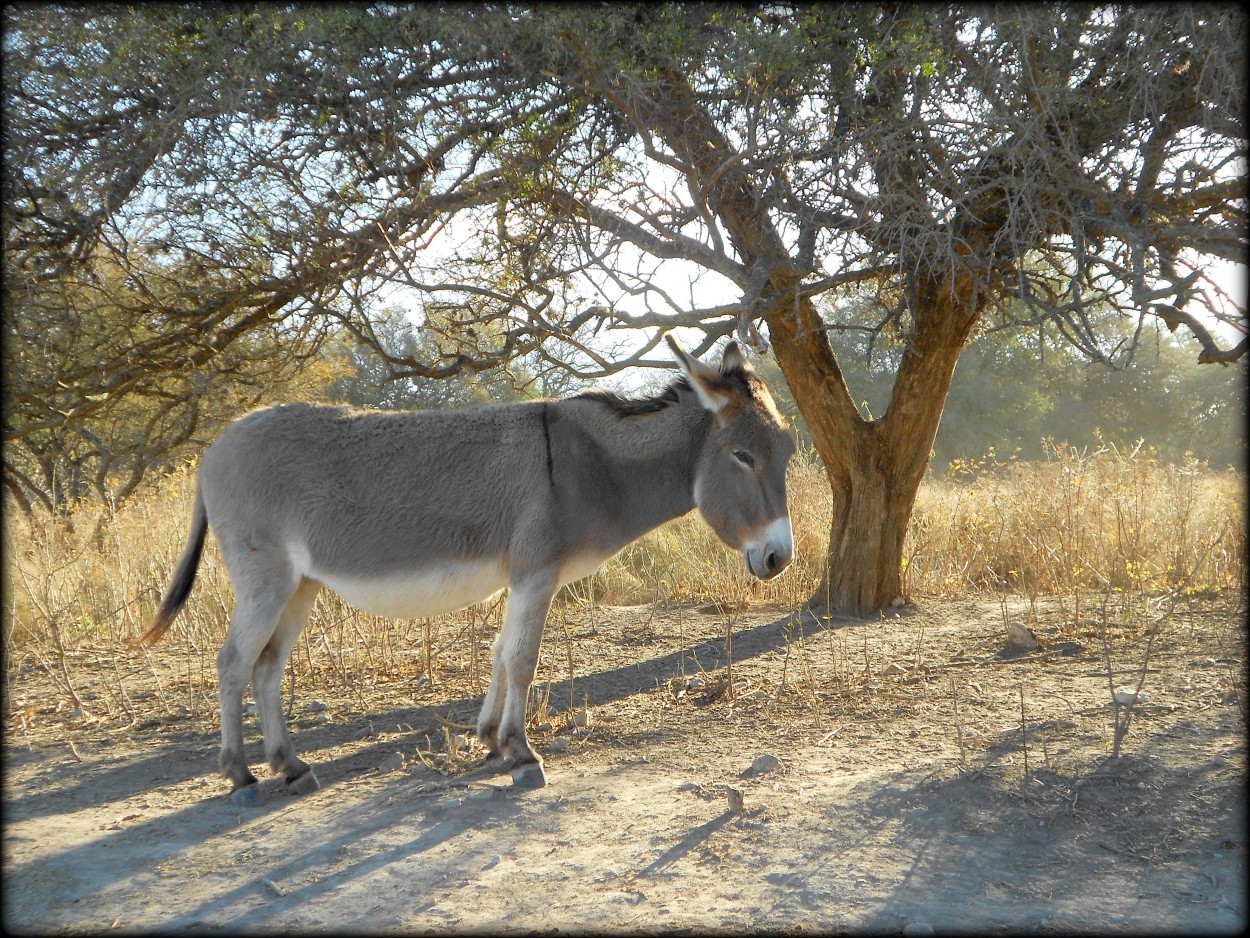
<point>870,517</point>
<point>874,467</point>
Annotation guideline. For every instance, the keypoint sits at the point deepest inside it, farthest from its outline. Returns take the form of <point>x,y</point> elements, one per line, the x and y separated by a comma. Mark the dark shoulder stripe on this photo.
<point>551,474</point>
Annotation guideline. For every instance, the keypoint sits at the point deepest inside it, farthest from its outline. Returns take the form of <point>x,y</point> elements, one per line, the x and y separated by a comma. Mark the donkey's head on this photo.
<point>740,477</point>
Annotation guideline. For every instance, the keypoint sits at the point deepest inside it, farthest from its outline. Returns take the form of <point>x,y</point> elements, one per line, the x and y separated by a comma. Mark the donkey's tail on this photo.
<point>184,576</point>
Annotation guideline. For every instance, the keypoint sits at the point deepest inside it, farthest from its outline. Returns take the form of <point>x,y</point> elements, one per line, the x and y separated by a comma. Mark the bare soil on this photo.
<point>921,772</point>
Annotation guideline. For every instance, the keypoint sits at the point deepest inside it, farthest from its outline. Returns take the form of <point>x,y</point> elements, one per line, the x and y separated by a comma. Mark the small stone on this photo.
<point>451,803</point>
<point>1126,695</point>
<point>894,668</point>
<point>392,763</point>
<point>559,744</point>
<point>690,786</point>
<point>583,719</point>
<point>734,797</point>
<point>917,929</point>
<point>460,742</point>
<point>695,683</point>
<point>321,718</point>
<point>249,709</point>
<point>898,602</point>
<point>762,764</point>
<point>1021,638</point>
<point>316,706</point>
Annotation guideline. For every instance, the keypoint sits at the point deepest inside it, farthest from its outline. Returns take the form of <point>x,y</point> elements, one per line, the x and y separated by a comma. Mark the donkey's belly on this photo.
<point>429,592</point>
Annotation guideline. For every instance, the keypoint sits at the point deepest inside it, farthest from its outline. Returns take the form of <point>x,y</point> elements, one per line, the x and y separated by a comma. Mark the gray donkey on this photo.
<point>418,514</point>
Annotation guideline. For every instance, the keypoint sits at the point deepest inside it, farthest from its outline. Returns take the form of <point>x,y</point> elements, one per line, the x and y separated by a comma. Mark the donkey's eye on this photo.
<point>745,458</point>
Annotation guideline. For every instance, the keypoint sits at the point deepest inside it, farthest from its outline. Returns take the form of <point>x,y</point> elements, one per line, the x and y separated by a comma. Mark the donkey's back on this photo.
<point>371,492</point>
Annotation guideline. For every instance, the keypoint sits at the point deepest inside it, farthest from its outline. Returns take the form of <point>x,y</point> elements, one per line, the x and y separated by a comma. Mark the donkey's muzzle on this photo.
<point>771,552</point>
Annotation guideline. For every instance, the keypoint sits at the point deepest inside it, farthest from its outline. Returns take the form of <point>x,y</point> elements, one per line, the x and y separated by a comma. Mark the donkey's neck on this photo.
<point>652,453</point>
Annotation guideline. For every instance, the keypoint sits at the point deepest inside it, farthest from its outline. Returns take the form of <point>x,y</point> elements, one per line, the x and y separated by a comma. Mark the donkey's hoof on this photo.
<point>530,775</point>
<point>247,796</point>
<point>497,761</point>
<point>304,784</point>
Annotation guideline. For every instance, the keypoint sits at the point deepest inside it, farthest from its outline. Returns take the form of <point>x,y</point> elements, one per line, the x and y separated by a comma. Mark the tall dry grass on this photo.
<point>1081,521</point>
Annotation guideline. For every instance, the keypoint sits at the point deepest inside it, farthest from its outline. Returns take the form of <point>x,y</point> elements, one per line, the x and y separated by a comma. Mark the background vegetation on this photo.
<point>1024,392</point>
<point>205,201</point>
<point>1077,524</point>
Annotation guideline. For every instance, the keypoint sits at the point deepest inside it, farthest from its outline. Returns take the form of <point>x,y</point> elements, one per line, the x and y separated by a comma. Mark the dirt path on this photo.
<point>899,793</point>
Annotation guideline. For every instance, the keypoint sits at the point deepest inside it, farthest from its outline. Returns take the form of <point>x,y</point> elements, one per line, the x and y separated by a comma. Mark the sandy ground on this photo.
<point>900,785</point>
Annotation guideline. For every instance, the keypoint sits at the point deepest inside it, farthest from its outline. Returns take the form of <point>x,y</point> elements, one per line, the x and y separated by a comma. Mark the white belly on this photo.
<point>416,595</point>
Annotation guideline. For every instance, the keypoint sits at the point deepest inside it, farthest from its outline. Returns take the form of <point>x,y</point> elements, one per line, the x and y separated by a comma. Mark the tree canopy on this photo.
<point>231,181</point>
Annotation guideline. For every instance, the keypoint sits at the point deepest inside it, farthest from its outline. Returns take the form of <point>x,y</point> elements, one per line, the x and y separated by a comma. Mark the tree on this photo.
<point>362,377</point>
<point>72,325</point>
<point>935,171</point>
<point>196,195</point>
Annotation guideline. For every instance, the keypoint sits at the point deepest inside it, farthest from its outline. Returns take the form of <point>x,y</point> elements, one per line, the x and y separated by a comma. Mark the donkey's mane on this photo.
<point>636,406</point>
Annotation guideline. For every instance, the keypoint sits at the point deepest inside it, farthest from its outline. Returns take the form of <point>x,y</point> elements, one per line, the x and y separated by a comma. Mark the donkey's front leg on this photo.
<point>501,726</point>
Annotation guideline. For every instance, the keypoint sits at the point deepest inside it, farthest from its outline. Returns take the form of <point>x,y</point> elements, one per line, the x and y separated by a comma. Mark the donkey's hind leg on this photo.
<point>492,707</point>
<point>262,585</point>
<point>267,688</point>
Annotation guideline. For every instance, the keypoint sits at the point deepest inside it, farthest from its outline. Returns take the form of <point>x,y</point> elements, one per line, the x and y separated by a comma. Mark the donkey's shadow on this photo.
<point>187,755</point>
<point>594,689</point>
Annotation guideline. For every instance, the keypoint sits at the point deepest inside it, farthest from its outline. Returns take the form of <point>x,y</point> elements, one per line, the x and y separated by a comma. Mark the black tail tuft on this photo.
<point>184,577</point>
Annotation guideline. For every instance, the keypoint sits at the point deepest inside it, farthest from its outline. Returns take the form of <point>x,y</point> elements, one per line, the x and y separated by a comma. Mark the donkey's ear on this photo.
<point>714,393</point>
<point>732,359</point>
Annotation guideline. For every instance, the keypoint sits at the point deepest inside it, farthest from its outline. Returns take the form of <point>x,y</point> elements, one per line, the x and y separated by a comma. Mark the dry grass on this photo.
<point>1080,520</point>
<point>1079,525</point>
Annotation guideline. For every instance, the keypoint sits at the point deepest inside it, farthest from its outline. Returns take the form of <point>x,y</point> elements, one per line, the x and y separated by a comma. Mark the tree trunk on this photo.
<point>874,466</point>
<point>865,538</point>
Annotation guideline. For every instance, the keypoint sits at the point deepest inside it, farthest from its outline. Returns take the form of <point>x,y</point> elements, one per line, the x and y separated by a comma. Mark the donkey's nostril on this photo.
<point>771,552</point>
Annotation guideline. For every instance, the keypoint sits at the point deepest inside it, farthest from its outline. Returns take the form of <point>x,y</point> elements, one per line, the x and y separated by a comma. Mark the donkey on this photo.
<point>418,514</point>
